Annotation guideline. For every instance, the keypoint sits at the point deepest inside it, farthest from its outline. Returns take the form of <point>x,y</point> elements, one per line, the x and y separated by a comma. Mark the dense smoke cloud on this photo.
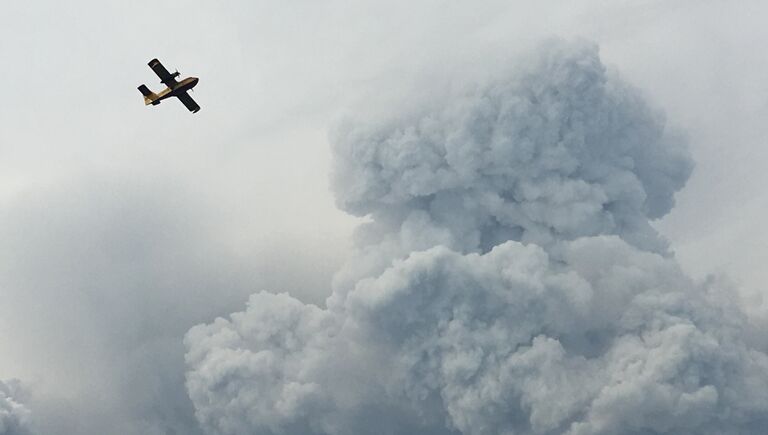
<point>509,282</point>
<point>14,415</point>
<point>557,151</point>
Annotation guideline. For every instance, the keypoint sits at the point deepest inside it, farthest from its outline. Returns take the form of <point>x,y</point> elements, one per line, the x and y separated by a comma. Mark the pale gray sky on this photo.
<point>123,225</point>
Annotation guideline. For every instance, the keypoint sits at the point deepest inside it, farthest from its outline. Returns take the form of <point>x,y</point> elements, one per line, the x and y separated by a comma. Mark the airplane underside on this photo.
<point>174,88</point>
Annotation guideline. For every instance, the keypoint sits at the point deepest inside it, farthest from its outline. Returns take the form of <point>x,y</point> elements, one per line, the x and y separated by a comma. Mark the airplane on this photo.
<point>174,88</point>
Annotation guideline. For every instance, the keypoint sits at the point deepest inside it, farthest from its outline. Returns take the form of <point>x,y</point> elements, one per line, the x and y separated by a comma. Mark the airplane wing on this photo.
<point>189,102</point>
<point>165,77</point>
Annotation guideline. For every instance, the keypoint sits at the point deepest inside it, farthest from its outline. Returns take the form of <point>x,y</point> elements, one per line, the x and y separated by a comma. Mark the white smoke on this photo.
<point>509,282</point>
<point>14,415</point>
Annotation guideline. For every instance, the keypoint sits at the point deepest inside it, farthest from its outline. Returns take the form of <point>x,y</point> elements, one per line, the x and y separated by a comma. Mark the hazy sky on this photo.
<point>121,225</point>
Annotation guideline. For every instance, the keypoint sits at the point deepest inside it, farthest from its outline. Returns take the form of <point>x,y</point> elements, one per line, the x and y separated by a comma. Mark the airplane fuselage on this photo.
<point>177,88</point>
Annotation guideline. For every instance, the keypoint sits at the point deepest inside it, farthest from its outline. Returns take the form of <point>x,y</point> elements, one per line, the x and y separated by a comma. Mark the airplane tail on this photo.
<point>149,96</point>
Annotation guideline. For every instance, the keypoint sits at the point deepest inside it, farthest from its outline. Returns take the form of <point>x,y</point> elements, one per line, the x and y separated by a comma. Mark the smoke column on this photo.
<point>508,282</point>
<point>14,416</point>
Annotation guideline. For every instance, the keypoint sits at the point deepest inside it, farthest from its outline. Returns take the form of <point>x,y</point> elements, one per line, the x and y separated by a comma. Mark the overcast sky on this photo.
<point>121,226</point>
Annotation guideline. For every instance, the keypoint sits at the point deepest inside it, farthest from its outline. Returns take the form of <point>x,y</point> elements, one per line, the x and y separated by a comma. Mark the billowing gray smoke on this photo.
<point>14,416</point>
<point>508,282</point>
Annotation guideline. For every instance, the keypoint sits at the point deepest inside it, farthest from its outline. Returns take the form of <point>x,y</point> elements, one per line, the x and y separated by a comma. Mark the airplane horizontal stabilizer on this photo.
<point>145,90</point>
<point>149,96</point>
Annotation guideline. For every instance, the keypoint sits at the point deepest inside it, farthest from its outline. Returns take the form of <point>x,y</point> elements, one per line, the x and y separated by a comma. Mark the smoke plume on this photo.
<point>508,282</point>
<point>14,416</point>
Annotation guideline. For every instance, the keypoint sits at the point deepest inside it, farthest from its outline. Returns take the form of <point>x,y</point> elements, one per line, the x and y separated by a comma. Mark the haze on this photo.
<point>123,226</point>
